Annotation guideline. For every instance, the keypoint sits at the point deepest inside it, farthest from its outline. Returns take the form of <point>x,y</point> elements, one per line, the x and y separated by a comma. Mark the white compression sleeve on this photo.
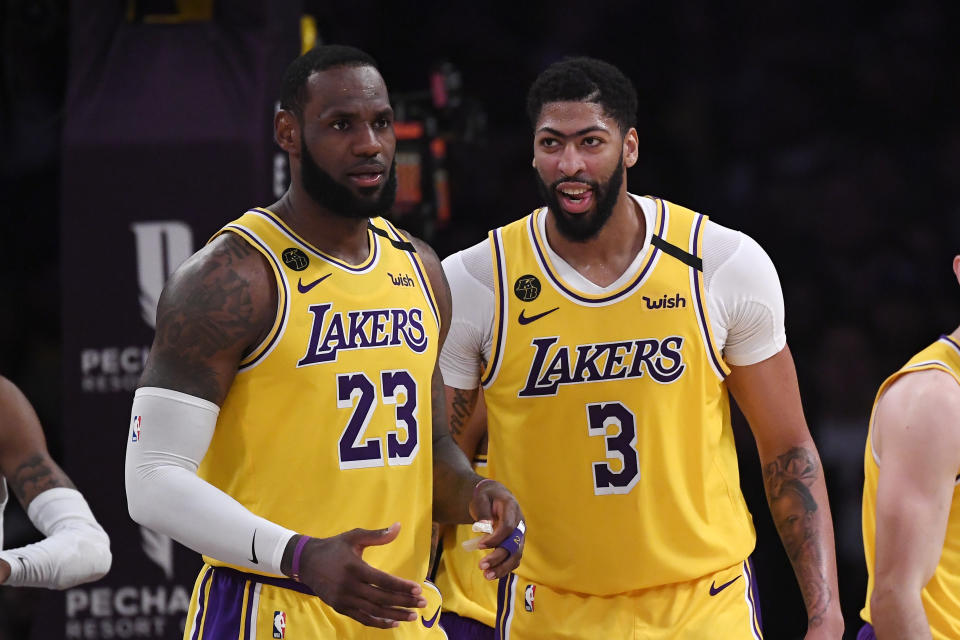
<point>76,549</point>
<point>169,435</point>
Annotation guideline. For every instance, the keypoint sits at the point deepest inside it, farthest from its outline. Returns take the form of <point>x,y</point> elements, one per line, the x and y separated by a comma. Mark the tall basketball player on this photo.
<point>911,499</point>
<point>290,422</point>
<point>610,328</point>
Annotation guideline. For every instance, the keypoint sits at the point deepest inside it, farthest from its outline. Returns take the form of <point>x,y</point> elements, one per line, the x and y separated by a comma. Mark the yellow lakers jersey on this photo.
<point>609,417</point>
<point>465,590</point>
<point>941,596</point>
<point>327,425</point>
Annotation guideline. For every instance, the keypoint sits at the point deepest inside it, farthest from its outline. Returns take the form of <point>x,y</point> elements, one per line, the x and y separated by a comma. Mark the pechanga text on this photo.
<point>368,329</point>
<point>553,366</point>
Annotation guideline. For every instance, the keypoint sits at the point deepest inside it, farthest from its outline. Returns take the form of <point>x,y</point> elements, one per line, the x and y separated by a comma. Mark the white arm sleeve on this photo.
<point>744,298</point>
<point>76,549</point>
<point>169,435</point>
<point>468,343</point>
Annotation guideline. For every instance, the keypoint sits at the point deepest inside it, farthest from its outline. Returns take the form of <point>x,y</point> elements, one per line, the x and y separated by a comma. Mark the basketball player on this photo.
<point>76,548</point>
<point>290,421</point>
<point>611,327</point>
<point>911,503</point>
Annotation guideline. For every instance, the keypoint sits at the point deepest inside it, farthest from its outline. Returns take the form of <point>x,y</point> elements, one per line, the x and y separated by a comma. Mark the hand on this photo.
<point>493,501</point>
<point>334,569</point>
<point>4,571</point>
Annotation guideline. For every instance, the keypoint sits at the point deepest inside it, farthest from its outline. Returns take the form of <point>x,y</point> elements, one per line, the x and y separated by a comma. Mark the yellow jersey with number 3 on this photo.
<point>941,596</point>
<point>608,417</point>
<point>327,425</point>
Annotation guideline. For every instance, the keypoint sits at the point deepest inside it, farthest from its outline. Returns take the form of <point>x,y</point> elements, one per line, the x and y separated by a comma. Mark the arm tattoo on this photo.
<point>34,476</point>
<point>211,317</point>
<point>794,509</point>
<point>464,402</point>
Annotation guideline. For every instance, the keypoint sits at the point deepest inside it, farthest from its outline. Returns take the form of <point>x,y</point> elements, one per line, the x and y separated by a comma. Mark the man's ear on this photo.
<point>286,131</point>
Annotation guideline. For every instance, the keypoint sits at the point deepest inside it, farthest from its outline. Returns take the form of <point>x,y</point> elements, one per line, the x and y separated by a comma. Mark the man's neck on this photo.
<point>603,258</point>
<point>339,236</point>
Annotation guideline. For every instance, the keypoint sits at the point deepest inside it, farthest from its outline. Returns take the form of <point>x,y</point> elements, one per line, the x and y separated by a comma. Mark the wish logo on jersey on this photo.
<point>553,365</point>
<point>368,329</point>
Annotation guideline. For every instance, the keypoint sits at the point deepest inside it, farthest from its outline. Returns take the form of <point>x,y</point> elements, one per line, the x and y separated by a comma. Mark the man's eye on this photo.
<point>339,125</point>
<point>592,141</point>
<point>382,123</point>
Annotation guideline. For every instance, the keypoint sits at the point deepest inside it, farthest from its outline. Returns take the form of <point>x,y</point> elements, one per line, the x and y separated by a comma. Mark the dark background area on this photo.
<point>827,132</point>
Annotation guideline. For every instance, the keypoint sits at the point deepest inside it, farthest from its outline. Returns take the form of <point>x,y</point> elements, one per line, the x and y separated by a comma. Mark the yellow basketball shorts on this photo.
<point>720,606</point>
<point>232,605</point>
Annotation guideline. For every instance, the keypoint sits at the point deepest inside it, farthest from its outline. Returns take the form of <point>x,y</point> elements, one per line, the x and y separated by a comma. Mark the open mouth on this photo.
<point>575,197</point>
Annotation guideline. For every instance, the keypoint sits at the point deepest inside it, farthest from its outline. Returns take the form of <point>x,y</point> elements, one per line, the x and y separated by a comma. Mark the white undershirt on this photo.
<point>743,296</point>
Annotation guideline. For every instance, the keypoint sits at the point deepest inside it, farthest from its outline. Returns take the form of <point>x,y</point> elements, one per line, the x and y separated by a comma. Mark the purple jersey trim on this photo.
<point>374,244</point>
<point>501,285</point>
<point>542,257</point>
<point>951,342</point>
<point>421,276</point>
<point>505,605</point>
<point>286,295</point>
<point>701,313</point>
<point>866,632</point>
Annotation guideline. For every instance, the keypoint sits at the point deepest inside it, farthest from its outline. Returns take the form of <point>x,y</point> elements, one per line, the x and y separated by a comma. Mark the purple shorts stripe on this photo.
<point>249,614</point>
<point>866,632</point>
<point>224,607</point>
<point>460,628</point>
<point>754,596</point>
<point>198,619</point>
<point>504,605</point>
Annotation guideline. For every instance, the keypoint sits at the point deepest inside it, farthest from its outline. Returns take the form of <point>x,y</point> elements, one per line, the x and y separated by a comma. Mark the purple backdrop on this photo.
<point>167,136</point>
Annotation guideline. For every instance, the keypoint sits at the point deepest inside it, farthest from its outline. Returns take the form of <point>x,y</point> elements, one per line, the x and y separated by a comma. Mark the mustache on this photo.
<point>593,184</point>
<point>368,166</point>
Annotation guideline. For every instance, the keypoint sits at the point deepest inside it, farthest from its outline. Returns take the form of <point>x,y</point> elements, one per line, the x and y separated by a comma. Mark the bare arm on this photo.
<point>768,394</point>
<point>76,549</point>
<point>218,304</point>
<point>24,459</point>
<point>468,424</point>
<point>916,434</point>
<point>454,497</point>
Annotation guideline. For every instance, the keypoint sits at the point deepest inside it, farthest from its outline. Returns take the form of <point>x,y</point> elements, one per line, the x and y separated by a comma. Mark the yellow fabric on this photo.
<point>608,514</point>
<point>304,616</point>
<point>293,442</point>
<point>465,590</point>
<point>682,611</point>
<point>941,596</point>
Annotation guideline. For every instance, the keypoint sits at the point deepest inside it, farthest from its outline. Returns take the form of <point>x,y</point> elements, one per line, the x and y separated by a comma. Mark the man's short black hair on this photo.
<point>293,90</point>
<point>585,80</point>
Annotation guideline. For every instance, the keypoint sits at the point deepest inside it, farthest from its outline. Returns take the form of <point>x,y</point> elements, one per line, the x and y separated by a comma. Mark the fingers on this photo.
<point>389,599</point>
<point>499,562</point>
<point>387,582</point>
<point>362,538</point>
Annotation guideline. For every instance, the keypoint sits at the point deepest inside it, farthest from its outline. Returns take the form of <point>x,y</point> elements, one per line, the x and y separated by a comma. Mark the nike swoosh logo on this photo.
<point>23,563</point>
<point>429,623</point>
<point>253,543</point>
<point>522,319</point>
<point>714,589</point>
<point>303,288</point>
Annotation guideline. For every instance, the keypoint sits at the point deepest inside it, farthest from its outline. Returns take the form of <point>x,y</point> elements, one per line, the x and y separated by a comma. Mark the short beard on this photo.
<point>583,227</point>
<point>339,199</point>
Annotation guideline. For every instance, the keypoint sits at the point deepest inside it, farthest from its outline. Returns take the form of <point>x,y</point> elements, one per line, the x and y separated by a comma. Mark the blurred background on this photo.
<point>132,130</point>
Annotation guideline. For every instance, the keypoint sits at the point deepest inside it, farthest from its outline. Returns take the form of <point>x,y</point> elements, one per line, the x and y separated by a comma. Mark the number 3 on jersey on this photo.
<point>357,391</point>
<point>621,446</point>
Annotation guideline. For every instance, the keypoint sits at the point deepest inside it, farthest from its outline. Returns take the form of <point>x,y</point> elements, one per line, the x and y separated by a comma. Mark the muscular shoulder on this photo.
<point>920,409</point>
<point>216,306</point>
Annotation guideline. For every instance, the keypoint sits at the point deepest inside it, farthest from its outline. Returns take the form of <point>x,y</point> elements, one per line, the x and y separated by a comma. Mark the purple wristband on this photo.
<point>295,570</point>
<point>513,541</point>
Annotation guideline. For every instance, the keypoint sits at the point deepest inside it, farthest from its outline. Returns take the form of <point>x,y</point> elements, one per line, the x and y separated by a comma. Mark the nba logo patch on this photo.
<point>280,624</point>
<point>528,594</point>
<point>135,431</point>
